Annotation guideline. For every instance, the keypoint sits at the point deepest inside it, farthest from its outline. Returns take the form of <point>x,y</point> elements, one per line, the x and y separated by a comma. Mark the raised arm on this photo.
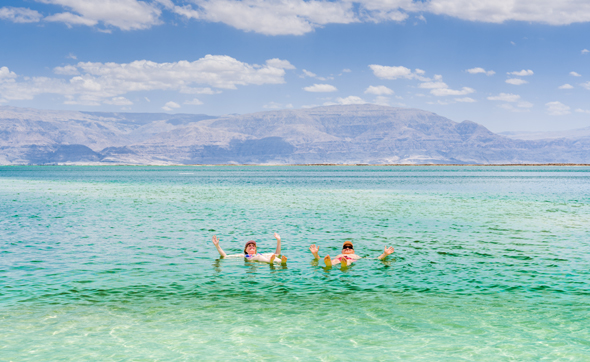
<point>219,249</point>
<point>314,250</point>
<point>386,252</point>
<point>278,237</point>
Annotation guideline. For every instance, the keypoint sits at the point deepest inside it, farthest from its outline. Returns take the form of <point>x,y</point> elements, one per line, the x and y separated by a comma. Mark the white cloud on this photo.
<point>71,19</point>
<point>297,17</point>
<point>565,86</point>
<point>440,92</point>
<point>308,74</point>
<point>561,12</point>
<point>586,85</point>
<point>379,90</point>
<point>505,97</point>
<point>5,73</point>
<point>170,105</point>
<point>271,17</point>
<point>516,81</point>
<point>66,70</point>
<point>433,85</point>
<point>575,74</point>
<point>465,100</point>
<point>522,73</point>
<point>480,70</point>
<point>346,70</point>
<point>119,101</point>
<point>557,109</point>
<point>191,90</point>
<point>511,108</point>
<point>387,72</point>
<point>524,104</point>
<point>346,101</point>
<point>99,81</point>
<point>122,14</point>
<point>320,88</point>
<point>584,51</point>
<point>71,56</point>
<point>279,63</point>
<point>579,110</point>
<point>194,102</point>
<point>20,15</point>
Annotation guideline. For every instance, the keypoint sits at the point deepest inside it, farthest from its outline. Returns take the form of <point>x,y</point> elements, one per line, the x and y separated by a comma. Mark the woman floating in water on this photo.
<point>250,252</point>
<point>348,255</point>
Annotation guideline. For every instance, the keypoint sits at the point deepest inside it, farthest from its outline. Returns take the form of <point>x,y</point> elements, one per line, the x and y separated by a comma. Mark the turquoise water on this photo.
<point>116,263</point>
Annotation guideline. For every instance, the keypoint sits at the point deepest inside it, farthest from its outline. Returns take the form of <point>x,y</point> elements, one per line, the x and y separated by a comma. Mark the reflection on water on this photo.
<point>116,263</point>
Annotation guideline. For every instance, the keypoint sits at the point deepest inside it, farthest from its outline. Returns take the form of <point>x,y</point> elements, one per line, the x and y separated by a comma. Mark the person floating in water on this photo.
<point>251,254</point>
<point>348,255</point>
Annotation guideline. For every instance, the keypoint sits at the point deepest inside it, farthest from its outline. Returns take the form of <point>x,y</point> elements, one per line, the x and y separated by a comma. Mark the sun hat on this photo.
<point>248,243</point>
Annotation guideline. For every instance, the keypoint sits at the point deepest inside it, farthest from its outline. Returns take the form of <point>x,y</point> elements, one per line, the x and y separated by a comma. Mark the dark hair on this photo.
<point>248,243</point>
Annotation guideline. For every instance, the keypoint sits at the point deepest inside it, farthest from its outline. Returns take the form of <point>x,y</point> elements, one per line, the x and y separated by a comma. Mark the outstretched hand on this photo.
<point>314,249</point>
<point>215,240</point>
<point>278,237</point>
<point>388,251</point>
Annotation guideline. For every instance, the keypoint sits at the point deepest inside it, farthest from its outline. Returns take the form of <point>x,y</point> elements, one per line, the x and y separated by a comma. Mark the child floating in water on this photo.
<point>348,255</point>
<point>250,252</point>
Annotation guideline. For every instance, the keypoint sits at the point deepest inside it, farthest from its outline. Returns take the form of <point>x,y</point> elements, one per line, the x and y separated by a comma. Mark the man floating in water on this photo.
<point>251,254</point>
<point>348,255</point>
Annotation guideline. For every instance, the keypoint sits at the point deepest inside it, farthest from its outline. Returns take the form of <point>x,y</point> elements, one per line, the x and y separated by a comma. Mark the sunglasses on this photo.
<point>347,247</point>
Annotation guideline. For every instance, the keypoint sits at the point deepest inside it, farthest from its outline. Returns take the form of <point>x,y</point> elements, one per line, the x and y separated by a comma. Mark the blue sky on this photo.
<point>509,65</point>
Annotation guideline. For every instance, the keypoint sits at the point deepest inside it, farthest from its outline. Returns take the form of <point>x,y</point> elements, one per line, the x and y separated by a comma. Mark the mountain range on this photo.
<point>351,134</point>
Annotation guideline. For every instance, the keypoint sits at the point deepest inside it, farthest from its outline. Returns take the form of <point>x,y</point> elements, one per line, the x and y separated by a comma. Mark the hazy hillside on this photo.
<point>334,134</point>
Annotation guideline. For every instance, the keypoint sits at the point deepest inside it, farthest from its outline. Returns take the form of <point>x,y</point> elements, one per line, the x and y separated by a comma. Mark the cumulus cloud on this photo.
<point>516,81</point>
<point>565,86</point>
<point>122,14</point>
<point>271,17</point>
<point>575,74</point>
<point>378,90</point>
<point>480,70</point>
<point>346,101</point>
<point>557,109</point>
<point>465,100</point>
<point>395,72</point>
<point>6,74</point>
<point>584,51</point>
<point>66,70</point>
<point>307,73</point>
<point>579,110</point>
<point>170,105</point>
<point>505,97</point>
<point>20,15</point>
<point>320,88</point>
<point>586,85</point>
<point>297,17</point>
<point>440,92</point>
<point>100,81</point>
<point>194,102</point>
<point>119,101</point>
<point>522,73</point>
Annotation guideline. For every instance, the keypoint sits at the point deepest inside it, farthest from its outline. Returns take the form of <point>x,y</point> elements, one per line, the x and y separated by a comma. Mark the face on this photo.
<point>251,249</point>
<point>347,249</point>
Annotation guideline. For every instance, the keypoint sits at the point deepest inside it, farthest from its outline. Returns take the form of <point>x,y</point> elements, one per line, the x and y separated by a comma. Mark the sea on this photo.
<point>116,263</point>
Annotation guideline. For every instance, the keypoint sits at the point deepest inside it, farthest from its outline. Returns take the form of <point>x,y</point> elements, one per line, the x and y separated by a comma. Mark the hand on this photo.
<point>278,237</point>
<point>314,249</point>
<point>388,251</point>
<point>215,240</point>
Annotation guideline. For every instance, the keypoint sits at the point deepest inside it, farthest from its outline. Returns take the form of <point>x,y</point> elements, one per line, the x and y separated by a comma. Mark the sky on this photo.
<point>509,65</point>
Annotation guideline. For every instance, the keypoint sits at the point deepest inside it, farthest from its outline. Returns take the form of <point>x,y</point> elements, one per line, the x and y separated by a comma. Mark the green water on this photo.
<point>116,263</point>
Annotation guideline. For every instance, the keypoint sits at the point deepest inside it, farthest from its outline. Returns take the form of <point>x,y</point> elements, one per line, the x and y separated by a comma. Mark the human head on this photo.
<point>246,246</point>
<point>347,247</point>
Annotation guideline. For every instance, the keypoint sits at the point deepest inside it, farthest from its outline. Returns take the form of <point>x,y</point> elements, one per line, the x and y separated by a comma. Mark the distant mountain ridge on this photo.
<point>334,134</point>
